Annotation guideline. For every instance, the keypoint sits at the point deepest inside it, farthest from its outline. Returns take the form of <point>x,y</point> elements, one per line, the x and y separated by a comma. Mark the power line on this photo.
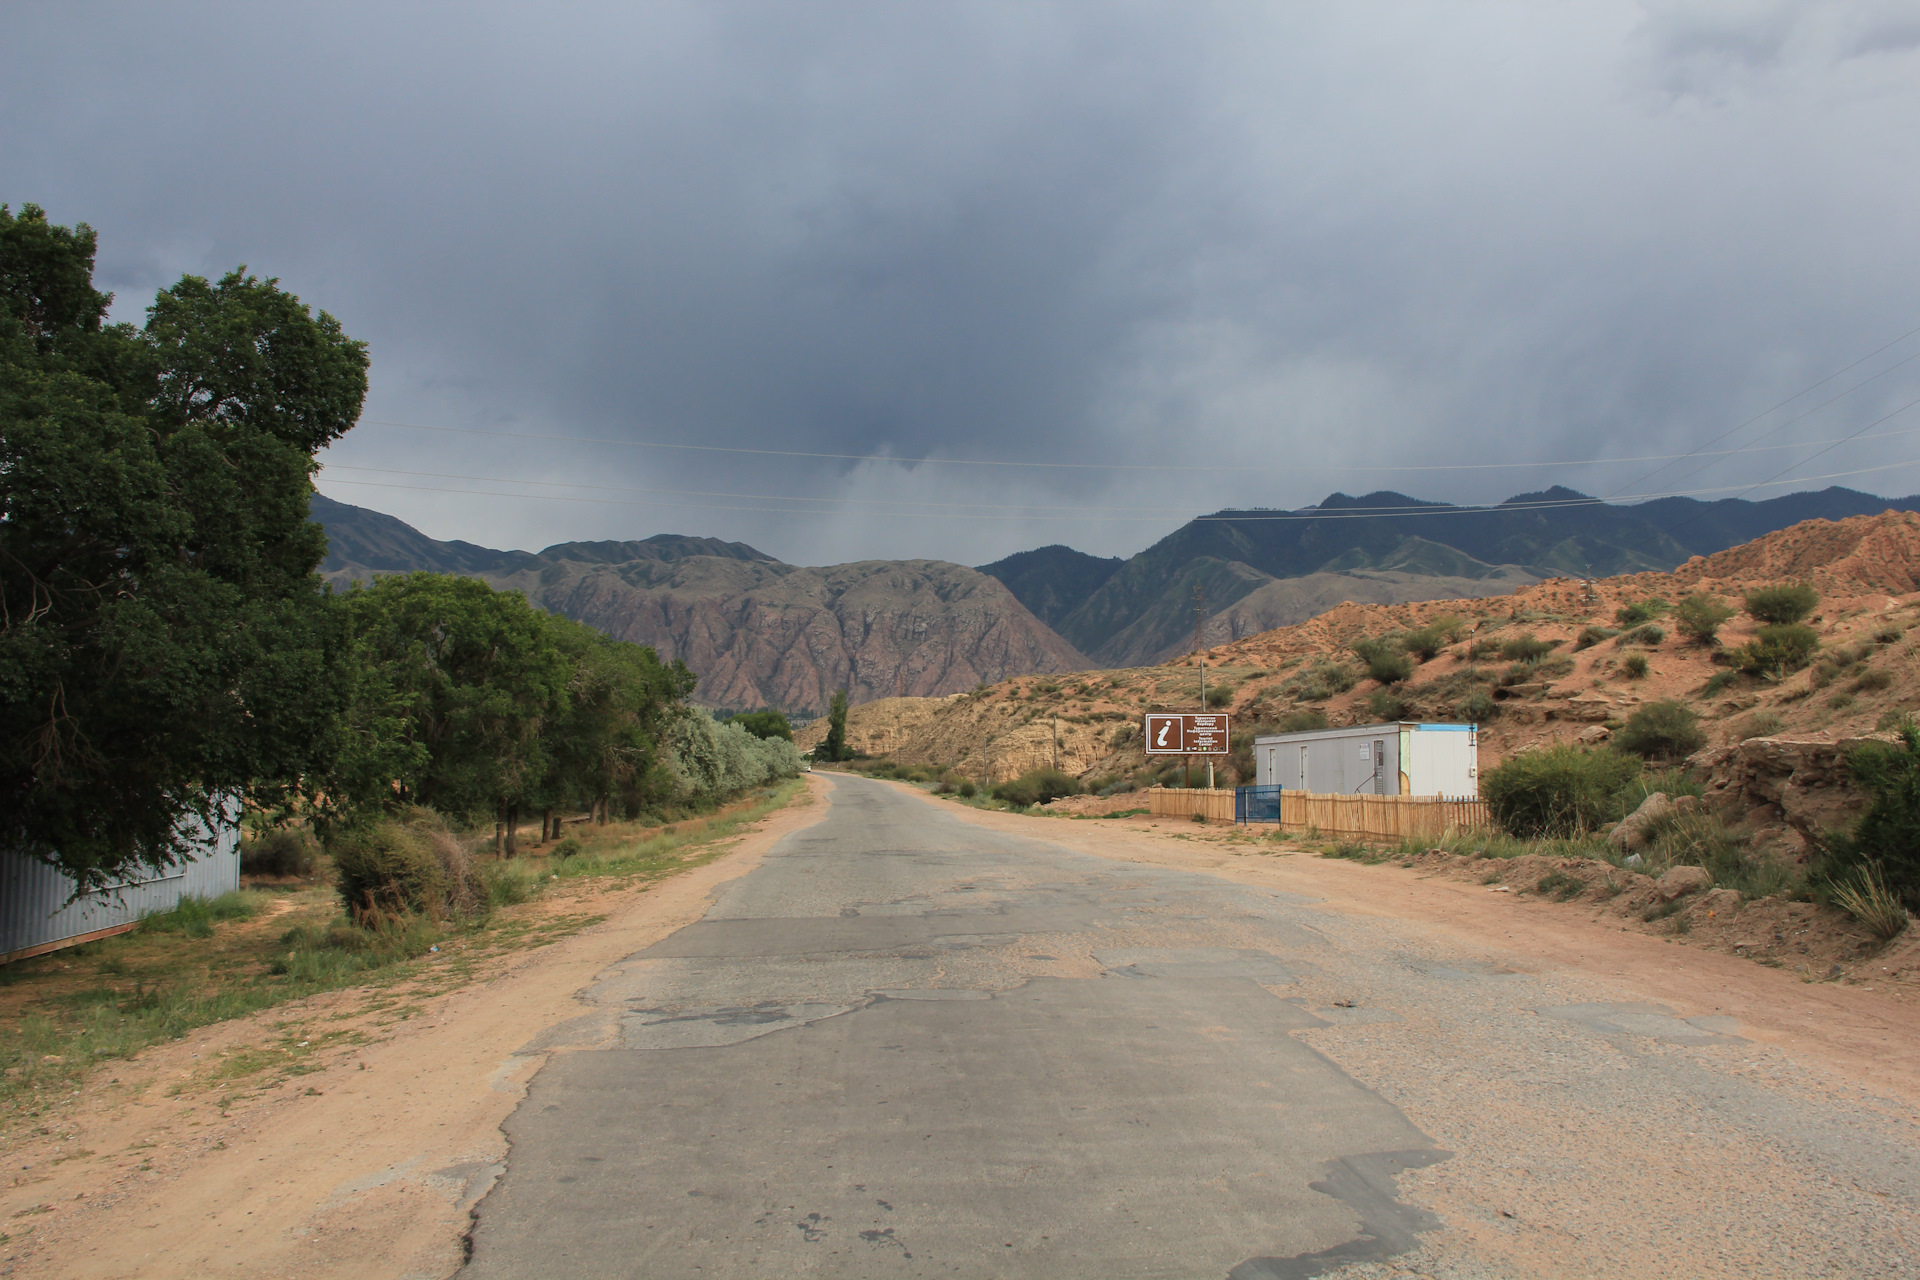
<point>1808,390</point>
<point>1291,469</point>
<point>915,510</point>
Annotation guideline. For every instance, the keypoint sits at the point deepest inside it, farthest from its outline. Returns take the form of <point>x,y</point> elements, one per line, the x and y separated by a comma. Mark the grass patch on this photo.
<point>205,962</point>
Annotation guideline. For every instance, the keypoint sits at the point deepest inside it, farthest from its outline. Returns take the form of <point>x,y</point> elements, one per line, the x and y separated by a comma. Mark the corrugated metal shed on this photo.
<point>36,915</point>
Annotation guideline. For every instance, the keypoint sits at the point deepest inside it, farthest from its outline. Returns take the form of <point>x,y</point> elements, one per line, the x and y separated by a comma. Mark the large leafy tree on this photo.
<point>471,701</point>
<point>164,641</point>
<point>621,701</point>
<point>456,686</point>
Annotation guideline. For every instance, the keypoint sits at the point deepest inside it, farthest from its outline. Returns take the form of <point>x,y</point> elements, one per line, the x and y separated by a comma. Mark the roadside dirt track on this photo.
<point>364,1168</point>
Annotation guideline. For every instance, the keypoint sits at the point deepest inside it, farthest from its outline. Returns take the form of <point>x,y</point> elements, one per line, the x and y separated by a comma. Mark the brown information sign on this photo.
<point>1186,733</point>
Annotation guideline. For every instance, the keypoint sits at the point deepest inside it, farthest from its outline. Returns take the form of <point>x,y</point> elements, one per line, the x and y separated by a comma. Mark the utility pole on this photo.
<point>1199,618</point>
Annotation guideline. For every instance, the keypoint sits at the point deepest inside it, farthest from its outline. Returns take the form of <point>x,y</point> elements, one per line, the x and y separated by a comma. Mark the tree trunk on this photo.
<point>513,831</point>
<point>499,834</point>
<point>549,827</point>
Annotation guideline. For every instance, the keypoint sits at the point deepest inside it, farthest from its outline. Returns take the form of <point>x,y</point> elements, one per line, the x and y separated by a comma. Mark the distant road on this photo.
<point>911,1045</point>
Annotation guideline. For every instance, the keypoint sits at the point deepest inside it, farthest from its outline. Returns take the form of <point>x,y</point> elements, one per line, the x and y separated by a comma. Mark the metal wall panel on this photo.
<point>35,911</point>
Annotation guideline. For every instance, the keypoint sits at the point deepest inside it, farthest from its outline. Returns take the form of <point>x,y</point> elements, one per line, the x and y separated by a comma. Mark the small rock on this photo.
<point>1630,834</point>
<point>1678,882</point>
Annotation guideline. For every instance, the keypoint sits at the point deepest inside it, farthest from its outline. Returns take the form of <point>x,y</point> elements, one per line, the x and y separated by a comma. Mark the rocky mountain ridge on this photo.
<point>760,633</point>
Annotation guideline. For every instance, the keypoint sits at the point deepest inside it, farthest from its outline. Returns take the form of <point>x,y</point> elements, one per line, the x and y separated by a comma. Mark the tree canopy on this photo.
<point>164,641</point>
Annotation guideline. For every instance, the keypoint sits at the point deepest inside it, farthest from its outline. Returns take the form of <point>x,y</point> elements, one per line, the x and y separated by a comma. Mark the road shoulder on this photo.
<point>367,1164</point>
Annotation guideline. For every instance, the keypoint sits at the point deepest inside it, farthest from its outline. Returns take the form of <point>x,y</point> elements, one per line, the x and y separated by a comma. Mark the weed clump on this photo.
<point>404,865</point>
<point>1887,837</point>
<point>1700,617</point>
<point>1777,649</point>
<point>1632,615</point>
<point>1526,647</point>
<point>1322,681</point>
<point>1782,604</point>
<point>281,851</point>
<point>1038,786</point>
<point>1664,730</point>
<point>1591,636</point>
<point>1385,661</point>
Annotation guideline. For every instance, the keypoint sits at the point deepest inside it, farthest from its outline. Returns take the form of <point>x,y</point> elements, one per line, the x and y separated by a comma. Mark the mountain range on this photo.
<point>764,633</point>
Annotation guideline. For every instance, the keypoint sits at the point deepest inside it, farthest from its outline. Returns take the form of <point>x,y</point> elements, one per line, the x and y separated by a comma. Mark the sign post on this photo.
<point>1187,733</point>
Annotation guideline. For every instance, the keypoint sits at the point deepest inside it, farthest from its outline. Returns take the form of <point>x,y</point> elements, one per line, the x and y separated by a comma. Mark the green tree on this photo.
<point>1887,836</point>
<point>164,642</point>
<point>621,700</point>
<point>835,745</point>
<point>456,684</point>
<point>765,724</point>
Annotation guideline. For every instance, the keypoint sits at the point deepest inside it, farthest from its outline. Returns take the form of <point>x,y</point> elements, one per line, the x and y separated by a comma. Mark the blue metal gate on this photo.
<point>1256,804</point>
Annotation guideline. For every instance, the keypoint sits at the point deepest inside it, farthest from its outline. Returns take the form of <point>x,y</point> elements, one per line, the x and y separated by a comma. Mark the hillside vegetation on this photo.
<point>1560,660</point>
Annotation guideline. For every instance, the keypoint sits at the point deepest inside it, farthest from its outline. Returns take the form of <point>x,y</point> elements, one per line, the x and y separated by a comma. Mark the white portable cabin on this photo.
<point>1399,759</point>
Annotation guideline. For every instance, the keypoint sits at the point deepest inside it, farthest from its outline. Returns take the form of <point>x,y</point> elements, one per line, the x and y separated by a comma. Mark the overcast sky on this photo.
<point>1296,244</point>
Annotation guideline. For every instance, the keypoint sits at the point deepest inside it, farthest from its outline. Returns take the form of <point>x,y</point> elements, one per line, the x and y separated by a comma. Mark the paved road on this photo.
<point>910,1046</point>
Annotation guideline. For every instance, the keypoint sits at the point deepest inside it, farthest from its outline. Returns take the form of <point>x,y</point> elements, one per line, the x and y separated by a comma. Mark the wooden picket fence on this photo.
<point>1363,816</point>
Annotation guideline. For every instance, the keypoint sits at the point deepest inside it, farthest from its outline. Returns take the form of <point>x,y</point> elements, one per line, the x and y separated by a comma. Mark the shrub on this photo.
<point>1037,786</point>
<point>1322,680</point>
<point>1700,617</point>
<point>1888,833</point>
<point>1425,643</point>
<point>1762,724</point>
<point>1632,615</point>
<point>1784,603</point>
<point>1219,695</point>
<point>1646,633</point>
<point>967,790</point>
<point>568,847</point>
<point>1592,636</point>
<point>403,865</point>
<point>283,851</point>
<point>1635,665</point>
<point>1477,707</point>
<point>1384,704</point>
<point>1557,791</point>
<point>1719,681</point>
<point>1384,660</point>
<point>1777,649</point>
<point>1664,730</point>
<point>1873,681</point>
<point>1525,647</point>
<point>1301,720</point>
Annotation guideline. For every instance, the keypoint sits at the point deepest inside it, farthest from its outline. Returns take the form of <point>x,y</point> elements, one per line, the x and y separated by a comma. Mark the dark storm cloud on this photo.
<point>1271,239</point>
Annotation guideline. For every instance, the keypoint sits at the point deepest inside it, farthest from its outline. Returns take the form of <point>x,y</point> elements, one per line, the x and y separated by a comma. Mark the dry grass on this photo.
<point>1864,895</point>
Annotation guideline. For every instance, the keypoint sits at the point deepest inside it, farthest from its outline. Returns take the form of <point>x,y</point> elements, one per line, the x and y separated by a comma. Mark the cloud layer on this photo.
<point>1300,245</point>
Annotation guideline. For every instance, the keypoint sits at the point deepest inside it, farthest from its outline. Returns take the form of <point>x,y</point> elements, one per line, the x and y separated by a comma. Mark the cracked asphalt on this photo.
<point>907,1045</point>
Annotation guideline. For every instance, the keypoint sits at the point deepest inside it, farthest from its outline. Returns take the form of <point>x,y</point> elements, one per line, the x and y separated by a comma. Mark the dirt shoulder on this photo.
<point>1859,1030</point>
<point>375,1131</point>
